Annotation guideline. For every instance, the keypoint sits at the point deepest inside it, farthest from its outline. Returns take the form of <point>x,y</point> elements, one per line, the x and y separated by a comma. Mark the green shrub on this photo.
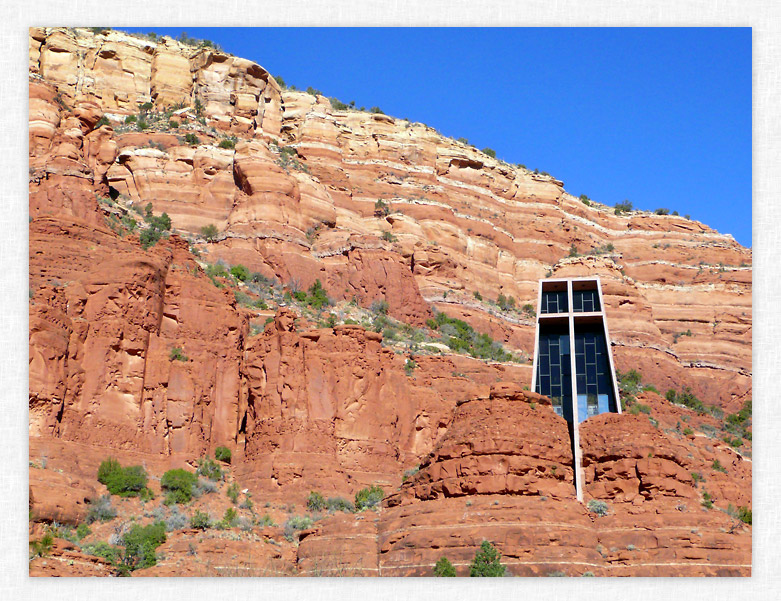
<point>462,338</point>
<point>240,272</point>
<point>125,482</point>
<point>208,468</point>
<point>490,152</point>
<point>444,568</point>
<point>280,81</point>
<point>101,122</point>
<point>315,502</point>
<point>131,119</point>
<point>368,497</point>
<point>191,139</point>
<point>295,523</point>
<point>585,200</point>
<point>688,431</point>
<point>388,237</point>
<point>140,544</point>
<point>339,504</point>
<point>42,547</point>
<point>176,354</point>
<point>718,467</point>
<point>697,478</point>
<point>381,208</point>
<point>142,125</point>
<point>83,530</point>
<point>200,520</point>
<point>376,110</point>
<point>744,514</point>
<point>486,562</point>
<point>209,232</point>
<point>173,123</point>
<point>266,520</point>
<point>179,483</point>
<point>227,143</point>
<point>233,492</point>
<point>102,549</point>
<point>598,507</point>
<point>222,454</point>
<point>409,366</point>
<point>230,517</point>
<point>623,207</point>
<point>338,105</point>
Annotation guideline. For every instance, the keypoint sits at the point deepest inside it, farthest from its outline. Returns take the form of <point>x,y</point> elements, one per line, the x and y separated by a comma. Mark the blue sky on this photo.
<point>658,116</point>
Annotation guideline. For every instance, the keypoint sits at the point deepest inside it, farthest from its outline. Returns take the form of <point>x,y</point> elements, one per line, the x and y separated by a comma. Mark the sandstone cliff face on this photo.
<point>295,197</point>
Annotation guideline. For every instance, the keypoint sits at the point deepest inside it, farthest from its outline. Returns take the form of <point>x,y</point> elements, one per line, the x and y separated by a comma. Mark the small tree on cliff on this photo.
<point>486,562</point>
<point>444,567</point>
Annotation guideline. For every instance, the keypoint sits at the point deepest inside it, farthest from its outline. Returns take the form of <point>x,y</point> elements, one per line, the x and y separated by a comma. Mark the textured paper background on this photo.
<point>764,16</point>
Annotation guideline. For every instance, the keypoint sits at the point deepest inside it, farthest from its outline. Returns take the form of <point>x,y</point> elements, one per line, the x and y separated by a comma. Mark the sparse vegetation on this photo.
<point>101,510</point>
<point>461,337</point>
<point>177,354</point>
<point>233,492</point>
<point>490,152</point>
<point>208,468</point>
<point>381,208</point>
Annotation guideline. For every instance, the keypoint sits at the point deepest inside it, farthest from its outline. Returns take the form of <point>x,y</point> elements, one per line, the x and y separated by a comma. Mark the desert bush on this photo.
<point>230,518</point>
<point>315,502</point>
<point>490,152</point>
<point>233,492</point>
<point>444,568</point>
<point>204,487</point>
<point>191,139</point>
<point>82,530</point>
<point>103,549</point>
<point>339,504</point>
<point>131,119</point>
<point>598,507</point>
<point>462,338</point>
<point>140,544</point>
<point>486,562</point>
<point>177,354</point>
<point>43,546</point>
<point>125,482</point>
<point>294,524</point>
<point>240,272</point>
<point>176,520</point>
<point>200,520</point>
<point>623,207</point>
<point>208,468</point>
<point>179,483</point>
<point>368,497</point>
<point>209,232</point>
<point>266,520</point>
<point>227,143</point>
<point>222,454</point>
